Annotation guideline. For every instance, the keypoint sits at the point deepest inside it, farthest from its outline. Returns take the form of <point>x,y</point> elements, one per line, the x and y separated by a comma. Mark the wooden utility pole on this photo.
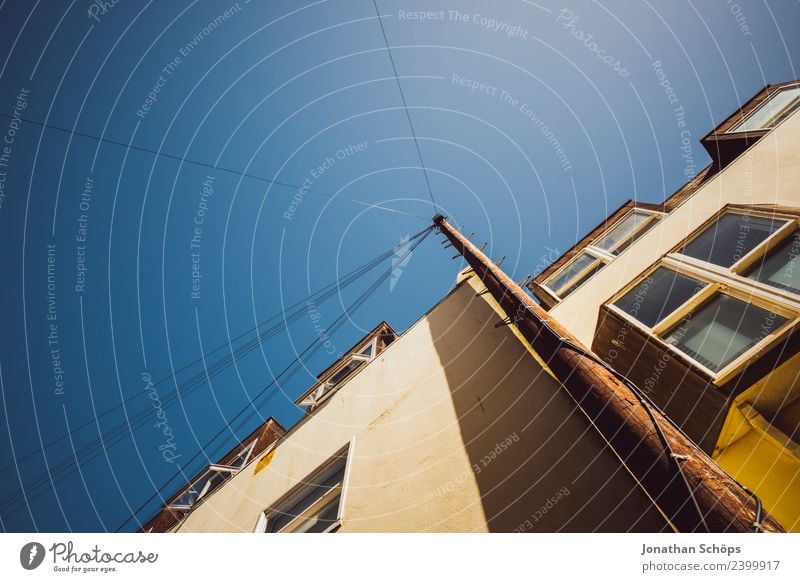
<point>635,429</point>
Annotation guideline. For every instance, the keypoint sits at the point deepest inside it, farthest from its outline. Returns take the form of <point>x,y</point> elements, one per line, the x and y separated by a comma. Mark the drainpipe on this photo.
<point>653,448</point>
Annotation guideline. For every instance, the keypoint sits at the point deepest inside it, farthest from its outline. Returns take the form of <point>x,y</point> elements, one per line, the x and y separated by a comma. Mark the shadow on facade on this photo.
<point>538,463</point>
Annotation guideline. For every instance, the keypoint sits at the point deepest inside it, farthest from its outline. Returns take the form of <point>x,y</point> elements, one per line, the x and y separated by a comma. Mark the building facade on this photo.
<point>697,300</point>
<point>459,424</point>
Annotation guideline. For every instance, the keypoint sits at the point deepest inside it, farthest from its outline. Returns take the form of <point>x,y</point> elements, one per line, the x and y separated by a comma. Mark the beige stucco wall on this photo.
<point>427,418</point>
<point>767,173</point>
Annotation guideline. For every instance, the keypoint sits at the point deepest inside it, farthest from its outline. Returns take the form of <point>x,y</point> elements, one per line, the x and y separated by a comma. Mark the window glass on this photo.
<point>636,236</point>
<point>730,238</point>
<point>204,485</point>
<point>780,106</point>
<point>310,494</point>
<point>215,479</point>
<point>192,492</point>
<point>588,275</point>
<point>621,230</point>
<point>658,295</point>
<point>239,460</point>
<point>780,268</point>
<point>321,519</point>
<point>345,372</point>
<point>723,329</point>
<point>187,499</point>
<point>568,273</point>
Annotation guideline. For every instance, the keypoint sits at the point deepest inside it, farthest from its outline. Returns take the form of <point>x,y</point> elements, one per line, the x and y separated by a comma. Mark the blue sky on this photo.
<point>535,121</point>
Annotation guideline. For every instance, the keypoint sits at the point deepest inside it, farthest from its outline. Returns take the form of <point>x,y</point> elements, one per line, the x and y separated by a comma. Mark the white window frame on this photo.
<point>205,489</point>
<point>245,452</point>
<point>300,489</point>
<point>325,389</point>
<point>729,281</point>
<point>770,123</point>
<point>603,255</point>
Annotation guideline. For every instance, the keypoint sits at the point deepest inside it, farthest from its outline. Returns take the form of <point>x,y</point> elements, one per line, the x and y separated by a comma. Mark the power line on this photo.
<point>40,484</point>
<point>215,167</point>
<point>288,371</point>
<point>358,303</point>
<point>318,296</point>
<point>405,107</point>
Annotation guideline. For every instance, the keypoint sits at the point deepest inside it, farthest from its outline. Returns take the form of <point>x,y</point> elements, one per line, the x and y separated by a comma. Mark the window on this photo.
<point>314,506</point>
<point>730,238</point>
<point>602,251</point>
<point>241,459</point>
<point>777,108</point>
<point>369,350</point>
<point>339,374</point>
<point>576,269</point>
<point>625,228</point>
<point>658,295</point>
<point>780,267</point>
<point>726,294</point>
<point>212,478</point>
<point>722,329</point>
<point>345,372</point>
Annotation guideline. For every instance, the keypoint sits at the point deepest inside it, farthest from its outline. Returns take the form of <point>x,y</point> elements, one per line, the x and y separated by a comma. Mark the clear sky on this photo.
<point>535,121</point>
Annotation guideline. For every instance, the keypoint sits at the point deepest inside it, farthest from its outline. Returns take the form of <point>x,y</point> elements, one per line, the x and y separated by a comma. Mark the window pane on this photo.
<point>313,491</point>
<point>780,268</point>
<point>722,330</point>
<point>322,519</point>
<point>625,227</point>
<point>345,372</point>
<point>772,111</point>
<point>636,236</point>
<point>576,266</point>
<point>186,499</point>
<point>238,462</point>
<point>214,480</point>
<point>658,295</point>
<point>599,265</point>
<point>730,238</point>
<point>192,493</point>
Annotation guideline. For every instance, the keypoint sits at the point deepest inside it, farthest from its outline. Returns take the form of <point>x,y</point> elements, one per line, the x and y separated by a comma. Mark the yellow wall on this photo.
<point>764,459</point>
<point>428,418</point>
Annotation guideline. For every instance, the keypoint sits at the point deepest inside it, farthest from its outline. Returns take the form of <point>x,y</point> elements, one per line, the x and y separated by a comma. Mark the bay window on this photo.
<point>725,295</point>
